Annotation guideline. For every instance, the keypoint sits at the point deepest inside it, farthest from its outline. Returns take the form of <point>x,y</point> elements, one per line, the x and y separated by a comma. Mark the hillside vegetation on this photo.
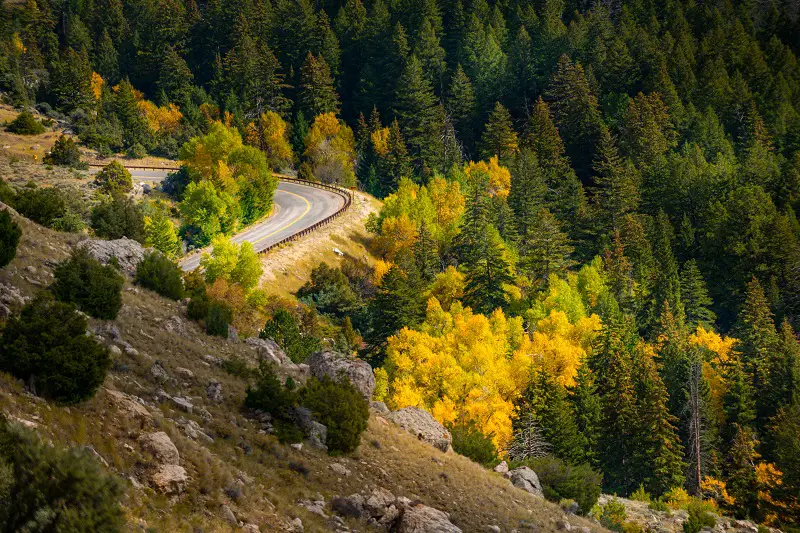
<point>586,262</point>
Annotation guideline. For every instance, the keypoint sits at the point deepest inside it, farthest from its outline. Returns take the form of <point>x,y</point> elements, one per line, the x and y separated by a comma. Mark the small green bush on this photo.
<point>562,480</point>
<point>137,151</point>
<point>25,124</point>
<point>65,153</point>
<point>42,205</point>
<point>70,223</point>
<point>176,182</point>
<point>269,395</point>
<point>7,194</point>
<point>118,217</point>
<point>641,495</point>
<point>284,329</point>
<point>48,489</point>
<point>114,179</point>
<point>46,345</point>
<point>470,442</point>
<point>613,515</point>
<point>218,319</point>
<point>157,273</point>
<point>698,518</point>
<point>198,305</point>
<point>340,407</point>
<point>95,288</point>
<point>659,505</point>
<point>9,238</point>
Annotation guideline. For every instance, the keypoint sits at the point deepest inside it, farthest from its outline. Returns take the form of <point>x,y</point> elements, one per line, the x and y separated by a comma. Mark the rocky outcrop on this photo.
<point>161,446</point>
<point>268,351</point>
<point>422,424</point>
<point>129,405</point>
<point>316,433</point>
<point>423,519</point>
<point>10,300</point>
<point>501,468</point>
<point>337,366</point>
<point>169,479</point>
<point>214,391</point>
<point>127,252</point>
<point>526,479</point>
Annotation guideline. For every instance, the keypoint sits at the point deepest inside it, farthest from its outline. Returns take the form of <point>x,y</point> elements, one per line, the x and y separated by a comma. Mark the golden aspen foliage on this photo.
<point>380,141</point>
<point>461,367</point>
<point>447,287</point>
<point>273,139</point>
<point>331,150</point>
<point>97,83</point>
<point>499,176</point>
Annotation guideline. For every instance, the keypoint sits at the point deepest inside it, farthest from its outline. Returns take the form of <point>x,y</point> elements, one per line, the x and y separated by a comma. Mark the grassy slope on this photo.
<point>273,476</point>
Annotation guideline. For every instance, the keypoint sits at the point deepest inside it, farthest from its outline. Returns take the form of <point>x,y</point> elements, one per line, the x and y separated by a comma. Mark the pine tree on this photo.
<point>460,104</point>
<point>431,55</point>
<point>666,290</point>
<point>174,78</point>
<point>576,112</point>
<point>135,127</point>
<point>647,131</point>
<point>396,163</point>
<point>546,249</point>
<point>398,303</point>
<point>739,400</point>
<point>317,94</point>
<point>695,298</point>
<point>611,364</point>
<point>499,138</point>
<point>418,114</point>
<point>617,190</point>
<point>70,85</point>
<point>106,59</point>
<point>547,401</point>
<point>486,274</point>
<point>528,189</point>
<point>740,468</point>
<point>657,446</point>
<point>586,406</point>
<point>426,256</point>
<point>758,346</point>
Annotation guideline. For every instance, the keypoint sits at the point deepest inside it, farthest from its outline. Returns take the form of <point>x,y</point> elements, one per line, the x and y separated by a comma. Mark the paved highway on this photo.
<point>297,207</point>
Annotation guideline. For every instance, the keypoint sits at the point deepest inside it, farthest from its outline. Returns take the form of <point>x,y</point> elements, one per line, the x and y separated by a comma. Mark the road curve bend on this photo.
<point>297,207</point>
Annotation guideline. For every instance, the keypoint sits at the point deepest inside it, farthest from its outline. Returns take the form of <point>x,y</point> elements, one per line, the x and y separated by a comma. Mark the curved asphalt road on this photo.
<point>297,207</point>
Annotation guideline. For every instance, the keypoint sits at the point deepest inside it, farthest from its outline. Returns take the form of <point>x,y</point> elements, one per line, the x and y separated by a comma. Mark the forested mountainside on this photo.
<point>588,247</point>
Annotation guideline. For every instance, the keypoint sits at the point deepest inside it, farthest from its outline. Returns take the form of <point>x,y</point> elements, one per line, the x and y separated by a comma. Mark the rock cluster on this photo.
<point>526,479</point>
<point>337,367</point>
<point>167,475</point>
<point>422,424</point>
<point>268,351</point>
<point>10,300</point>
<point>128,252</point>
<point>382,509</point>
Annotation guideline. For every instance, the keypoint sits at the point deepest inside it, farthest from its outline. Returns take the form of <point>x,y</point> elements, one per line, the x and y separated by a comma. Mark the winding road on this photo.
<point>297,207</point>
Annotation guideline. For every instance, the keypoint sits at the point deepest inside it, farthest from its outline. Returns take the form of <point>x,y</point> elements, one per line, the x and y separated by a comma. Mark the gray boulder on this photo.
<point>422,424</point>
<point>336,366</point>
<point>161,446</point>
<point>526,479</point>
<point>169,479</point>
<point>269,351</point>
<point>214,391</point>
<point>424,519</point>
<point>316,433</point>
<point>127,251</point>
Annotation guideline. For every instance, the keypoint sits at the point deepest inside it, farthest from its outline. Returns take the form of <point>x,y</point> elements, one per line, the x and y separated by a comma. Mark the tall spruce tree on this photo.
<point>586,406</point>
<point>487,273</point>
<point>546,249</point>
<point>499,138</point>
<point>616,184</point>
<point>695,298</point>
<point>317,94</point>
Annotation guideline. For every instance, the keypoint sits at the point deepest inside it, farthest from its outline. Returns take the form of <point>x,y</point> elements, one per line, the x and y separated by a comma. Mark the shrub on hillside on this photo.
<point>136,151</point>
<point>9,238</point>
<point>218,319</point>
<point>61,208</point>
<point>114,179</point>
<point>198,305</point>
<point>470,442</point>
<point>562,480</point>
<point>65,153</point>
<point>157,273</point>
<point>341,408</point>
<point>7,194</point>
<point>698,519</point>
<point>43,488</point>
<point>46,345</point>
<point>270,396</point>
<point>284,329</point>
<point>95,288</point>
<point>330,292</point>
<point>118,217</point>
<point>25,124</point>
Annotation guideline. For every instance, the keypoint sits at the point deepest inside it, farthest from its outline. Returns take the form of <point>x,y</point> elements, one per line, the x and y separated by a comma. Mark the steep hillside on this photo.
<point>168,376</point>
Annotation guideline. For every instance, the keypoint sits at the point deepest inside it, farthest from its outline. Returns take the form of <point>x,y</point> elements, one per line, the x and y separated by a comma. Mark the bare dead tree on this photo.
<point>528,442</point>
<point>696,407</point>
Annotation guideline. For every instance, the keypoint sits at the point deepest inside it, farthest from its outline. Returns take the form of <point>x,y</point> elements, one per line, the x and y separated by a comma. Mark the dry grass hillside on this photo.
<point>230,461</point>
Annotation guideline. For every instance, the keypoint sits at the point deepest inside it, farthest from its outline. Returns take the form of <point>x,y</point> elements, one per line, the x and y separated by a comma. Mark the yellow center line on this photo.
<point>293,222</point>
